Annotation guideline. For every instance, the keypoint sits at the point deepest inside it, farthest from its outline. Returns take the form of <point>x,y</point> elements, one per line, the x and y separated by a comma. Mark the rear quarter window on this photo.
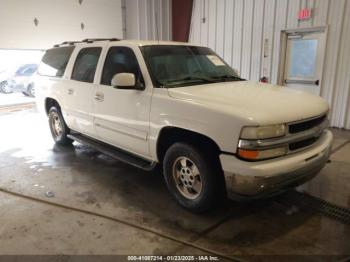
<point>55,61</point>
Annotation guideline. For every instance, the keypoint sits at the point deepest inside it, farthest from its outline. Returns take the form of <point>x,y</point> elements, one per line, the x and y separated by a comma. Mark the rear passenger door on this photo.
<point>122,115</point>
<point>80,90</point>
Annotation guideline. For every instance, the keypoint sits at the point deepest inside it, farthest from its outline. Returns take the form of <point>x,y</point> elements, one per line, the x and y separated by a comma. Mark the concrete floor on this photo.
<point>112,200</point>
<point>9,100</point>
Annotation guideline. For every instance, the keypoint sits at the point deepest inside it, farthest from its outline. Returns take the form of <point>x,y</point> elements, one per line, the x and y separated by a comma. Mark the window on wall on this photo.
<point>303,58</point>
<point>120,60</point>
<point>86,64</point>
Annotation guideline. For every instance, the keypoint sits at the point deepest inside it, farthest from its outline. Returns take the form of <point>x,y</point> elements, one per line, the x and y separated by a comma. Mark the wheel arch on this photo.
<point>170,135</point>
<point>50,102</point>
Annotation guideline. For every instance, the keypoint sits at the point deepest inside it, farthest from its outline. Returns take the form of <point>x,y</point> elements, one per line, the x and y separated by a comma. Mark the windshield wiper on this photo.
<point>189,78</point>
<point>228,77</point>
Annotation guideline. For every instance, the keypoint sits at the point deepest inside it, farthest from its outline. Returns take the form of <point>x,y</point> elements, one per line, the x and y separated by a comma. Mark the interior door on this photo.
<point>122,115</point>
<point>304,61</point>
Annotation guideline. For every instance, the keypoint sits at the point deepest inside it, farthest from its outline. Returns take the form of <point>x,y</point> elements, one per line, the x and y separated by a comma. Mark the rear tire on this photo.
<point>59,129</point>
<point>193,179</point>
<point>31,90</point>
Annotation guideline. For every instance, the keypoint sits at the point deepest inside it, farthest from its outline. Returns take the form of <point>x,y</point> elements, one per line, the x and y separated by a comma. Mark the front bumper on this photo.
<point>249,180</point>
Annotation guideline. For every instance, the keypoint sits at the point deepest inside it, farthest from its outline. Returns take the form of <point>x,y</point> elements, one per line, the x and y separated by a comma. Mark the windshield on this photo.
<point>175,66</point>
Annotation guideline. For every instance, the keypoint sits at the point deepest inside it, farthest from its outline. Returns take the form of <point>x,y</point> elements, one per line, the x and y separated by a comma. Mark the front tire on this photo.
<point>59,129</point>
<point>192,178</point>
<point>5,88</point>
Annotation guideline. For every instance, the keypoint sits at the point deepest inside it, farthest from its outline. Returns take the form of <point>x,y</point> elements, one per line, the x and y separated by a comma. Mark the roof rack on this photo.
<point>87,40</point>
<point>67,43</point>
<point>90,40</point>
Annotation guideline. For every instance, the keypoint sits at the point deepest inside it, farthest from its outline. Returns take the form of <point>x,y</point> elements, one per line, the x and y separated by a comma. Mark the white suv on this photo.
<point>181,106</point>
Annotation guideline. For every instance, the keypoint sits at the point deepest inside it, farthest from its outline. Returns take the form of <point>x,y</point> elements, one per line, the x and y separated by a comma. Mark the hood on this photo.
<point>259,103</point>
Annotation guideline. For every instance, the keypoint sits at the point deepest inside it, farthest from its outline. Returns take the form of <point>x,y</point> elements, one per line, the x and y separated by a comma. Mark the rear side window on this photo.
<point>55,61</point>
<point>85,64</point>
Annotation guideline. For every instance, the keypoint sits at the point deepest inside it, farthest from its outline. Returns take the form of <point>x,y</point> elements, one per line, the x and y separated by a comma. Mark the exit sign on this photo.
<point>304,14</point>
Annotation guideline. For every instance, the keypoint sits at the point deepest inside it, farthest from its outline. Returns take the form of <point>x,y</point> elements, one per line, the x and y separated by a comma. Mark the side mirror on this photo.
<point>124,81</point>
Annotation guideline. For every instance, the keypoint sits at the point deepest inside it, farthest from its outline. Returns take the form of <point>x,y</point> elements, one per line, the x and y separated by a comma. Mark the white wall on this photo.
<point>141,17</point>
<point>59,20</point>
<point>236,29</point>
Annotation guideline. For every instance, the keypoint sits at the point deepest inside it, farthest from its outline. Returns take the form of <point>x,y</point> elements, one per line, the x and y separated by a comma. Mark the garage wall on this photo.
<point>58,21</point>
<point>238,29</point>
<point>141,17</point>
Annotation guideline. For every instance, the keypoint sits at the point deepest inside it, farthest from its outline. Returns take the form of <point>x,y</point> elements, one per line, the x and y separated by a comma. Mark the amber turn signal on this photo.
<point>248,154</point>
<point>262,154</point>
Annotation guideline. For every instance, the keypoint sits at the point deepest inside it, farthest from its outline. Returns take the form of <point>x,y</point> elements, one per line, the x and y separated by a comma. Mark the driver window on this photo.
<point>120,60</point>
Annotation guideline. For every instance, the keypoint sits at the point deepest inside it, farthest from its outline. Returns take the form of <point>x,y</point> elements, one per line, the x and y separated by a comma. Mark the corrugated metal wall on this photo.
<point>141,17</point>
<point>237,29</point>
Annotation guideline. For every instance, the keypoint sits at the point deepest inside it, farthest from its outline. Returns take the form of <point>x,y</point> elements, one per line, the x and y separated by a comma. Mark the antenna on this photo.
<point>157,27</point>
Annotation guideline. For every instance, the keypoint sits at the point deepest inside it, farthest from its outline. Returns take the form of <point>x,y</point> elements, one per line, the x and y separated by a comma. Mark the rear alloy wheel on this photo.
<point>193,179</point>
<point>58,127</point>
<point>31,90</point>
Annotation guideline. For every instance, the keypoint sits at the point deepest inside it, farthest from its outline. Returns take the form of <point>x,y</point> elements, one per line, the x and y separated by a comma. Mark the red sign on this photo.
<point>304,14</point>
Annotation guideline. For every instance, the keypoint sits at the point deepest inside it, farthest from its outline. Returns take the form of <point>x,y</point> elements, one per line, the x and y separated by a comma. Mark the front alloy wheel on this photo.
<point>193,177</point>
<point>5,88</point>
<point>187,178</point>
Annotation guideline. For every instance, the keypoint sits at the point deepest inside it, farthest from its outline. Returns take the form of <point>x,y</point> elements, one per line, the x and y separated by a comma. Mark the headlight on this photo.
<point>262,132</point>
<point>262,154</point>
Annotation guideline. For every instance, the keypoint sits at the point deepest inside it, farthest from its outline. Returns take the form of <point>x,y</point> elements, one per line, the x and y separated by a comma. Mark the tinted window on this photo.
<point>55,61</point>
<point>120,60</point>
<point>85,64</point>
<point>174,66</point>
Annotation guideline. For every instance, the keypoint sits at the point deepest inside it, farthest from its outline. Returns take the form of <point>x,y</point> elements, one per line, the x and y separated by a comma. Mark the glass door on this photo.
<point>304,61</point>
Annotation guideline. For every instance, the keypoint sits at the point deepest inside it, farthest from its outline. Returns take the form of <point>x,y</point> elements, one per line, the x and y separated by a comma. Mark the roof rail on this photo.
<point>87,40</point>
<point>67,43</point>
<point>90,40</point>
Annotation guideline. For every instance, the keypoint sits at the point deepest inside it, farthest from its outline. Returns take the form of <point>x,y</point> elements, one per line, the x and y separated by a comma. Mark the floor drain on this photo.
<point>308,202</point>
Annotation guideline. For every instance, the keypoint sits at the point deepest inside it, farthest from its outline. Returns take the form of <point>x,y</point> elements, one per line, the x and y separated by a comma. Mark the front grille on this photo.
<point>300,136</point>
<point>308,124</point>
<point>302,144</point>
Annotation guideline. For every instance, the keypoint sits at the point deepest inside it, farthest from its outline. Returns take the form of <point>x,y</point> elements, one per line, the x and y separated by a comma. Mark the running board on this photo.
<point>114,152</point>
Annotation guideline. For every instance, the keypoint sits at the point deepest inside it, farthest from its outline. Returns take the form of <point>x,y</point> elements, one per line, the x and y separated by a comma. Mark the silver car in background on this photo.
<point>22,80</point>
<point>4,86</point>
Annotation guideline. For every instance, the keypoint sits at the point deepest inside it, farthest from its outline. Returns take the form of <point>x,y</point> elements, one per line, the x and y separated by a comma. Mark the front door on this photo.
<point>304,61</point>
<point>122,115</point>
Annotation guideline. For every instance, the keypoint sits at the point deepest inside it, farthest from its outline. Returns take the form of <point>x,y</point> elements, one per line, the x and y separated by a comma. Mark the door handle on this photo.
<point>99,97</point>
<point>70,91</point>
<point>317,82</point>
